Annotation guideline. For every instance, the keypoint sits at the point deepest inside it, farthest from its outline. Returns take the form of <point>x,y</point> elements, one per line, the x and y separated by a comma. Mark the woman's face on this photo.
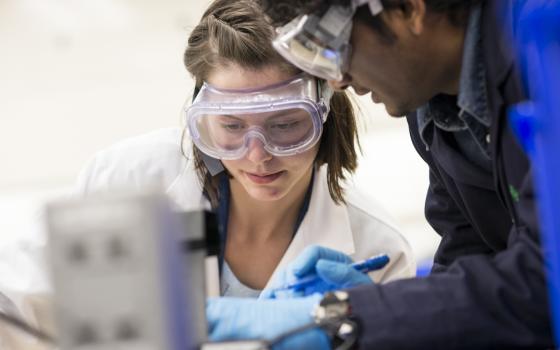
<point>263,176</point>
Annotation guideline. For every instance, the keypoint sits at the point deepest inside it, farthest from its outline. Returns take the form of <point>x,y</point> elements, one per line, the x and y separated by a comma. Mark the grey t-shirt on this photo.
<point>230,286</point>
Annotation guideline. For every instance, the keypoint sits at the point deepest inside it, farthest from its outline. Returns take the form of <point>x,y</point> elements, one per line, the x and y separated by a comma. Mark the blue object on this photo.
<point>246,318</point>
<point>424,267</point>
<point>365,266</point>
<point>537,125</point>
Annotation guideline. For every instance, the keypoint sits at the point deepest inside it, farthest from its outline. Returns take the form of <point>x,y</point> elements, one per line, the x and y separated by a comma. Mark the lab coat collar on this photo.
<point>186,192</point>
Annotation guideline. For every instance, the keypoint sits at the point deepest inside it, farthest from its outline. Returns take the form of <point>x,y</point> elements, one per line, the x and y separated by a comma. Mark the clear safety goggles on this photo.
<point>320,45</point>
<point>287,118</point>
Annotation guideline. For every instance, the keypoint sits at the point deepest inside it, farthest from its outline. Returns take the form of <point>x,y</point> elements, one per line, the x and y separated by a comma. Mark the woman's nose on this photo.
<point>256,152</point>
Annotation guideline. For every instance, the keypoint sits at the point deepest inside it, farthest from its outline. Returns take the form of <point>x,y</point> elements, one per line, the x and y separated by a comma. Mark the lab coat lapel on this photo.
<point>326,224</point>
<point>186,192</point>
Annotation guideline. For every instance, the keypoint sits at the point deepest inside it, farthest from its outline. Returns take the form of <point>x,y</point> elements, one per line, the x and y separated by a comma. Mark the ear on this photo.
<point>416,16</point>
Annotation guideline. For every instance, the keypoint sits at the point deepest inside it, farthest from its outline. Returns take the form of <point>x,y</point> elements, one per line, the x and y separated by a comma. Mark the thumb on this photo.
<point>340,274</point>
<point>212,312</point>
<point>305,262</point>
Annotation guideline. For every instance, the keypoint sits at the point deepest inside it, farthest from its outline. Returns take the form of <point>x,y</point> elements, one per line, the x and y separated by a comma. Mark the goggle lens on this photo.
<point>279,129</point>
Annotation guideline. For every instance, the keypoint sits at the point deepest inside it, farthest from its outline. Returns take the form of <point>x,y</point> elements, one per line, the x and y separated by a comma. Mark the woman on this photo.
<point>271,150</point>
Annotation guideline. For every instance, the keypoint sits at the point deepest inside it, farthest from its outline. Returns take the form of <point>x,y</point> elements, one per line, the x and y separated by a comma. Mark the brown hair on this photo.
<point>237,32</point>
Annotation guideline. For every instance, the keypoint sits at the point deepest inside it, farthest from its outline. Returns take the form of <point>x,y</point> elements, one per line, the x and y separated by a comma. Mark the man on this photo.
<point>449,67</point>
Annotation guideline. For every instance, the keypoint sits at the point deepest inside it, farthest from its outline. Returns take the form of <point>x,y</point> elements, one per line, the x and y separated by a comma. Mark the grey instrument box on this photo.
<point>119,274</point>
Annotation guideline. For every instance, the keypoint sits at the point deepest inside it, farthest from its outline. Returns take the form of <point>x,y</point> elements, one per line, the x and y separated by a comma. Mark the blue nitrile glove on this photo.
<point>246,318</point>
<point>333,267</point>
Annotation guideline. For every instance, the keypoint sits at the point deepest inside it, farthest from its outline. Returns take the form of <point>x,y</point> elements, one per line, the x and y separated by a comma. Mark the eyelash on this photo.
<point>279,126</point>
<point>232,126</point>
<point>284,126</point>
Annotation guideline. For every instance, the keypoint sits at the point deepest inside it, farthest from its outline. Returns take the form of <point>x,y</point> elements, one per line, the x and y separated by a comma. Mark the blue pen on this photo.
<point>374,263</point>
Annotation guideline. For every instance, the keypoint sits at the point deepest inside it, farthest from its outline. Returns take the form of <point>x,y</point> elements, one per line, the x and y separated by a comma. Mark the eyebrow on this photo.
<point>289,113</point>
<point>230,116</point>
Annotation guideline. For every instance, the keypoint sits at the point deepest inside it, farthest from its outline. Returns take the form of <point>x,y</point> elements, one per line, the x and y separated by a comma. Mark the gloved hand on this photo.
<point>333,268</point>
<point>245,318</point>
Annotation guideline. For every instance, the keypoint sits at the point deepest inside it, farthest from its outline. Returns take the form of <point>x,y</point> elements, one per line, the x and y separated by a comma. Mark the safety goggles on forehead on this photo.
<point>319,45</point>
<point>285,118</point>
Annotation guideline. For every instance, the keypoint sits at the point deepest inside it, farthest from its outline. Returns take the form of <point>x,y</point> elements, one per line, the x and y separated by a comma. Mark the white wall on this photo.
<point>78,75</point>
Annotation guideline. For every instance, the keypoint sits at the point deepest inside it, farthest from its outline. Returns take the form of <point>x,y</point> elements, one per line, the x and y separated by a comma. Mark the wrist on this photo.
<point>334,315</point>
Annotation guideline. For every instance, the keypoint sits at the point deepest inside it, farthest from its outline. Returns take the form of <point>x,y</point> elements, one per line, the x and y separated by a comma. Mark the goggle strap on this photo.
<point>195,92</point>
<point>335,20</point>
<point>213,165</point>
<point>326,93</point>
<point>375,6</point>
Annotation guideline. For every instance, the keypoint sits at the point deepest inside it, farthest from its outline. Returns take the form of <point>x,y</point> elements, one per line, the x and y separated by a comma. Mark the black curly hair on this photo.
<point>282,11</point>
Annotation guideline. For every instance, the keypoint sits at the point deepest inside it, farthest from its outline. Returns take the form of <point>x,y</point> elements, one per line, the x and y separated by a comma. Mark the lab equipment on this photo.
<point>286,117</point>
<point>118,273</point>
<point>319,44</point>
<point>309,284</point>
<point>199,240</point>
<point>537,124</point>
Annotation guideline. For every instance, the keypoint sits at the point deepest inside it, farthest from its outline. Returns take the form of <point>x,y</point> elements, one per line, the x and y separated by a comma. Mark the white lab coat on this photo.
<point>360,228</point>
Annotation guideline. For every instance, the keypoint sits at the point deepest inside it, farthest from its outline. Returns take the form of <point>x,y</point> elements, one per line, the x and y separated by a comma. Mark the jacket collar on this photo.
<point>186,192</point>
<point>473,96</point>
<point>469,111</point>
<point>498,28</point>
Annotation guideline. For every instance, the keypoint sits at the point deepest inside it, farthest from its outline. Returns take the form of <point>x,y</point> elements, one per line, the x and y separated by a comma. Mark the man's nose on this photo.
<point>341,84</point>
<point>360,90</point>
<point>256,152</point>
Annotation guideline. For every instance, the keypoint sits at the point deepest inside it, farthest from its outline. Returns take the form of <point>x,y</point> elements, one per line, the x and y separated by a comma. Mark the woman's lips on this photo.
<point>263,179</point>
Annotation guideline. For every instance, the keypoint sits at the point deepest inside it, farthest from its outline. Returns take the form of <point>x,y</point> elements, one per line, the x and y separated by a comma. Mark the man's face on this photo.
<point>397,74</point>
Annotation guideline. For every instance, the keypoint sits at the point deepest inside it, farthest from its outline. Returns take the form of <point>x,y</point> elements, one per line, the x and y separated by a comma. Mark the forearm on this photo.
<point>478,302</point>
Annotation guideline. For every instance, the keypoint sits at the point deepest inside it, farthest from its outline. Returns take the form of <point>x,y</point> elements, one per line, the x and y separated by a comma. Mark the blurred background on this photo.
<point>79,75</point>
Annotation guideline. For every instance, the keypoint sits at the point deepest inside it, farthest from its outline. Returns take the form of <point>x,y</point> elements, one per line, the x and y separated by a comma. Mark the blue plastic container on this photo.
<point>537,124</point>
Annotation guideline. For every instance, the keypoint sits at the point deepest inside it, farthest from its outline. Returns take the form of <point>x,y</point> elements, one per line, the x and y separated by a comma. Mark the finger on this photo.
<point>267,294</point>
<point>311,339</point>
<point>340,274</point>
<point>279,280</point>
<point>287,294</point>
<point>212,313</point>
<point>306,261</point>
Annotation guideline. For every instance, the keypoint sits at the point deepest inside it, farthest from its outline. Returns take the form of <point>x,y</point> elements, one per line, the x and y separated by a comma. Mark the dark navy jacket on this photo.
<point>487,289</point>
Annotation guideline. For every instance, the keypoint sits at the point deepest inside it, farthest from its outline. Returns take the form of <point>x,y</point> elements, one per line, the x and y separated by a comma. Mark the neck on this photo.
<point>449,54</point>
<point>264,220</point>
